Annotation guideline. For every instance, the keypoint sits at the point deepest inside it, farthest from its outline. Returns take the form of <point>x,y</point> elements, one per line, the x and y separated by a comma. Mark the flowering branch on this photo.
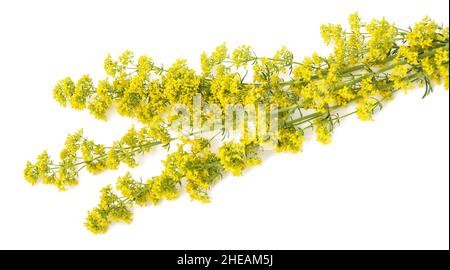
<point>369,63</point>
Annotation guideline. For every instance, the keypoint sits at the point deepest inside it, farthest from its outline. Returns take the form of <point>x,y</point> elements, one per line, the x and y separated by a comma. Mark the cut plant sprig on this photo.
<point>150,91</point>
<point>369,63</point>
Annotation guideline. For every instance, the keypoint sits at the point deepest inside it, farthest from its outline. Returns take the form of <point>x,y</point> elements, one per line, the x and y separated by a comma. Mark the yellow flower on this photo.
<point>235,157</point>
<point>345,95</point>
<point>63,90</point>
<point>144,66</point>
<point>354,21</point>
<point>196,193</point>
<point>94,155</point>
<point>323,131</point>
<point>423,34</point>
<point>206,64</point>
<point>336,35</point>
<point>219,54</point>
<point>181,84</point>
<point>366,108</point>
<point>226,89</point>
<point>304,71</point>
<point>382,36</point>
<point>289,140</point>
<point>133,190</point>
<point>110,209</point>
<point>325,32</point>
<point>46,174</point>
<point>31,173</point>
<point>99,106</point>
<point>115,208</point>
<point>110,66</point>
<point>398,77</point>
<point>217,57</point>
<point>367,87</point>
<point>283,58</point>
<point>254,94</point>
<point>125,59</point>
<point>241,56</point>
<point>355,40</point>
<point>164,187</point>
<point>409,55</point>
<point>83,90</point>
<point>97,221</point>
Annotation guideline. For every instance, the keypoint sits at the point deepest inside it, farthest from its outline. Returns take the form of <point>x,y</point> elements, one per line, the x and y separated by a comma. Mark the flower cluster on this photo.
<point>235,157</point>
<point>61,175</point>
<point>192,167</point>
<point>110,209</point>
<point>79,152</point>
<point>289,139</point>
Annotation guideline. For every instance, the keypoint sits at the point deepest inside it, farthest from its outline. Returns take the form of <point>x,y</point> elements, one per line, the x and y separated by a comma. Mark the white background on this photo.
<point>379,185</point>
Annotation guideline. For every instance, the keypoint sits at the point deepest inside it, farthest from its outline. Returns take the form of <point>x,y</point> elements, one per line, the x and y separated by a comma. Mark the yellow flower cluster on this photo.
<point>99,105</point>
<point>40,170</point>
<point>242,55</point>
<point>289,139</point>
<point>323,131</point>
<point>63,90</point>
<point>181,83</point>
<point>80,152</point>
<point>423,35</point>
<point>235,157</point>
<point>61,175</point>
<point>66,91</point>
<point>133,190</point>
<point>398,76</point>
<point>110,209</point>
<point>216,59</point>
<point>136,142</point>
<point>91,152</point>
<point>435,67</point>
<point>227,89</point>
<point>197,167</point>
<point>382,37</point>
<point>193,164</point>
<point>366,108</point>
